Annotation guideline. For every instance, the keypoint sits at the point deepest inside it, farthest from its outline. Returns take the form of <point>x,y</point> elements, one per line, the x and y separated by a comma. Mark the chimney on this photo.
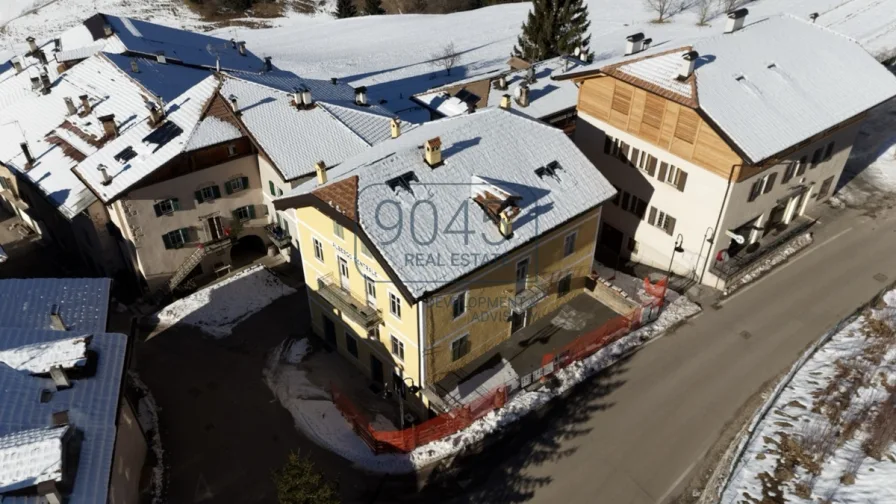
<point>217,63</point>
<point>233,43</point>
<point>32,45</point>
<point>634,43</point>
<point>48,490</point>
<point>395,127</point>
<point>57,44</point>
<point>530,74</point>
<point>334,80</point>
<point>502,82</point>
<point>234,104</point>
<point>645,44</point>
<point>156,114</point>
<point>105,173</point>
<point>29,159</point>
<point>42,57</point>
<point>85,103</point>
<point>135,68</point>
<point>268,66</point>
<point>505,226</point>
<point>522,96</point>
<point>813,16</point>
<point>70,105</point>
<point>109,125</point>
<point>56,322</point>
<point>736,20</point>
<point>432,152</point>
<point>17,63</point>
<point>45,84</point>
<point>505,102</point>
<point>60,378</point>
<point>307,100</point>
<point>320,168</point>
<point>160,57</point>
<point>241,47</point>
<point>581,54</point>
<point>688,60</point>
<point>35,83</point>
<point>361,96</point>
<point>107,29</point>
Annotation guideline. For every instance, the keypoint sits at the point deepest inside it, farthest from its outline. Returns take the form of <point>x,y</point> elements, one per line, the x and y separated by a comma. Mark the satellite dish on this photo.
<point>740,240</point>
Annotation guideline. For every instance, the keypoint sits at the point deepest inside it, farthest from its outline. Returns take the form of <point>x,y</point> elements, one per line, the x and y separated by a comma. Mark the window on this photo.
<point>338,230</point>
<point>632,245</point>
<point>318,250</point>
<point>756,189</point>
<point>374,333</point>
<point>364,250</point>
<point>351,344</point>
<point>801,168</point>
<point>397,348</point>
<point>460,347</point>
<point>272,188</point>
<point>166,207</point>
<point>208,193</point>
<point>569,244</point>
<point>231,150</point>
<point>245,213</point>
<point>176,239</point>
<point>394,305</point>
<point>816,157</point>
<point>608,144</point>
<point>825,187</point>
<point>564,285</point>
<point>236,185</point>
<point>626,197</point>
<point>828,151</point>
<point>459,304</point>
<point>789,172</point>
<point>769,182</point>
<point>634,205</point>
<point>673,176</point>
<point>623,152</point>
<point>370,287</point>
<point>661,220</point>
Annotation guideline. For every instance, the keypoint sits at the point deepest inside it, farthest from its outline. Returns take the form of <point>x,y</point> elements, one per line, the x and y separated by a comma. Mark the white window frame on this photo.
<point>455,340</point>
<point>170,203</point>
<point>339,230</point>
<point>393,342</point>
<point>660,219</point>
<point>369,288</point>
<point>236,184</point>
<point>240,211</point>
<point>179,233</point>
<point>210,195</point>
<point>567,249</point>
<point>231,150</point>
<point>454,300</point>
<point>318,250</point>
<point>395,302</point>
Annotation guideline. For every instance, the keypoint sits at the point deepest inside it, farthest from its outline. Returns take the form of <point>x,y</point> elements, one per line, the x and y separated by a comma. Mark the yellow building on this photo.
<point>428,250</point>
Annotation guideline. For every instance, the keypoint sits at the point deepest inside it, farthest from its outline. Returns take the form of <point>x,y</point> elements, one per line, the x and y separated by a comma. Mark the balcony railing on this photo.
<point>739,263</point>
<point>343,300</point>
<point>278,235</point>
<point>536,290</point>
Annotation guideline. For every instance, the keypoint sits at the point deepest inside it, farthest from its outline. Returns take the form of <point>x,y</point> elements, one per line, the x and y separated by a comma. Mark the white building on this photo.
<point>726,142</point>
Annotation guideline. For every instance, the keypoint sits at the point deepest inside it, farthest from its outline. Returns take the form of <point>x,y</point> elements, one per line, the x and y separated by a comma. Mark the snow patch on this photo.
<point>779,256</point>
<point>40,358</point>
<point>217,309</point>
<point>148,418</point>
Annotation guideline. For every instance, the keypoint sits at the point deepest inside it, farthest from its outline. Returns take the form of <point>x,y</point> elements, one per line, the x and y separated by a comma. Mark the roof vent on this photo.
<point>70,106</point>
<point>320,169</point>
<point>361,96</point>
<point>268,66</point>
<point>241,47</point>
<point>17,64</point>
<point>29,159</point>
<point>160,57</point>
<point>432,152</point>
<point>85,103</point>
<point>60,378</point>
<point>56,322</point>
<point>530,75</point>
<point>736,20</point>
<point>135,68</point>
<point>109,125</point>
<point>234,103</point>
<point>522,94</point>
<point>156,114</point>
<point>32,45</point>
<point>688,60</point>
<point>403,181</point>
<point>57,44</point>
<point>105,173</point>
<point>395,127</point>
<point>549,170</point>
<point>48,490</point>
<point>634,43</point>
<point>505,102</point>
<point>107,29</point>
<point>45,84</point>
<point>813,16</point>
<point>35,83</point>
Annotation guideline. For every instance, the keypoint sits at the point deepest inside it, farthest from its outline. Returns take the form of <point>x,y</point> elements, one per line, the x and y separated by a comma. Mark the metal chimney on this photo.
<point>634,43</point>
<point>736,20</point>
<point>70,106</point>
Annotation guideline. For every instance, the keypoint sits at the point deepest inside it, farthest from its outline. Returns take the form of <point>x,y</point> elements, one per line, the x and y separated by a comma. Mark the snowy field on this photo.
<point>829,436</point>
<point>217,309</point>
<point>319,419</point>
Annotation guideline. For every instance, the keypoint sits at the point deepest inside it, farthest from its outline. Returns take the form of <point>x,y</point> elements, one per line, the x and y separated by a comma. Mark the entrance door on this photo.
<point>343,273</point>
<point>522,273</point>
<point>215,228</point>
<point>329,331</point>
<point>376,370</point>
<point>775,218</point>
<point>370,291</point>
<point>519,320</point>
<point>798,206</point>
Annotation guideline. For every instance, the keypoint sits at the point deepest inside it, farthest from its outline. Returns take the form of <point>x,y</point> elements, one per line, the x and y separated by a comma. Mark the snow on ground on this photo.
<point>217,309</point>
<point>319,419</point>
<point>871,167</point>
<point>813,444</point>
<point>148,418</point>
<point>776,258</point>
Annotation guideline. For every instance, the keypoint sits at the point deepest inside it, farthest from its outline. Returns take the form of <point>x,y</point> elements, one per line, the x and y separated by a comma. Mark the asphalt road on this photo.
<point>636,435</point>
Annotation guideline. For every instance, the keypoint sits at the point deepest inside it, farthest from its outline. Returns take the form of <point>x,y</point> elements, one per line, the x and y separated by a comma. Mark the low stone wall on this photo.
<point>613,297</point>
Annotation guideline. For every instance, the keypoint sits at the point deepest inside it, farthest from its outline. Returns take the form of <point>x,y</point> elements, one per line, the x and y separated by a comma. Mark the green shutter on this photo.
<point>167,241</point>
<point>236,214</point>
<point>158,208</point>
<point>175,204</point>
<point>245,182</point>
<point>216,191</point>
<point>198,195</point>
<point>227,187</point>
<point>271,186</point>
<point>251,211</point>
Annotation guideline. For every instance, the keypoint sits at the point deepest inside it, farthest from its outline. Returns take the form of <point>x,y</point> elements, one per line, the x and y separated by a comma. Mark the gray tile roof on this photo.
<point>83,303</point>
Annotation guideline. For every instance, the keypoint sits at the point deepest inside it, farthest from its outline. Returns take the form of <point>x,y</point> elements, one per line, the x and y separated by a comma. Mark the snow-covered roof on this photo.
<point>770,85</point>
<point>502,149</point>
<point>26,430</point>
<point>31,456</point>
<point>296,139</point>
<point>212,131</point>
<point>40,358</point>
<point>546,96</point>
<point>82,303</point>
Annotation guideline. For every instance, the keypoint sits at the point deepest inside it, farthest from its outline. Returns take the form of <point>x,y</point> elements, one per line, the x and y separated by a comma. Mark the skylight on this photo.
<point>549,170</point>
<point>403,181</point>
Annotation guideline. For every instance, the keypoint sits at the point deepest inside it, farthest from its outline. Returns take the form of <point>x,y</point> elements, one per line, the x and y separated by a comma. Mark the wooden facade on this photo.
<point>658,120</point>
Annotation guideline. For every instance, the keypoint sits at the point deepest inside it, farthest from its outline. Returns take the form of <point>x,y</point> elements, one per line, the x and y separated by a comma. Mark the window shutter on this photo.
<point>663,168</point>
<point>216,191</point>
<point>251,211</point>
<point>271,187</point>
<point>682,179</point>
<point>634,157</point>
<point>623,152</point>
<point>652,218</point>
<point>245,181</point>
<point>198,195</point>
<point>158,208</point>
<point>670,225</point>
<point>167,241</point>
<point>228,188</point>
<point>175,204</point>
<point>608,144</point>
<point>770,183</point>
<point>651,165</point>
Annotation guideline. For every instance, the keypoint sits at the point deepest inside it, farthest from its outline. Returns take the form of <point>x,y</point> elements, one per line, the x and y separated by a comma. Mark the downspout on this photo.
<point>421,342</point>
<point>716,230</point>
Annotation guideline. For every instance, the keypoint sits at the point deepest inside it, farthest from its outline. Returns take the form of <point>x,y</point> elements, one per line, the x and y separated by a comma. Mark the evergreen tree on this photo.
<point>373,7</point>
<point>553,28</point>
<point>346,9</point>
<point>298,482</point>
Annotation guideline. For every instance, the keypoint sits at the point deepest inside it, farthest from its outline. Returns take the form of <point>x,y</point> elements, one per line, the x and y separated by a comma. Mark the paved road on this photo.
<point>636,435</point>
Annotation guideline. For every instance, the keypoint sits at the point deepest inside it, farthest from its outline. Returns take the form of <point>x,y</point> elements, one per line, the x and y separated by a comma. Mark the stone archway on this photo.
<point>247,249</point>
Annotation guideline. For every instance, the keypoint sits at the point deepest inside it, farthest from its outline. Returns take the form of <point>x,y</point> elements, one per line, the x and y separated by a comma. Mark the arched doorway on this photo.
<point>247,249</point>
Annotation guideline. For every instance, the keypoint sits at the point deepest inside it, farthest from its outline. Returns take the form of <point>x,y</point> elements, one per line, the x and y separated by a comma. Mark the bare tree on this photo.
<point>661,7</point>
<point>729,5</point>
<point>704,9</point>
<point>447,57</point>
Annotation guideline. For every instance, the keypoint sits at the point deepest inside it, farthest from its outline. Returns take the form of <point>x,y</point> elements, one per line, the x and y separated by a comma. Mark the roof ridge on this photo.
<point>323,105</point>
